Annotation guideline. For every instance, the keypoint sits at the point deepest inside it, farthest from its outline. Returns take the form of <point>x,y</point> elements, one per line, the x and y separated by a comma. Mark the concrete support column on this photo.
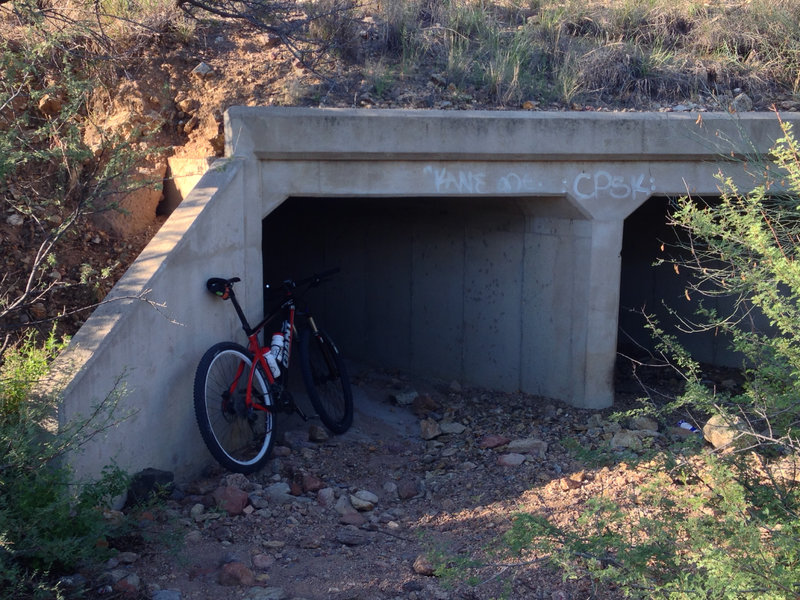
<point>602,315</point>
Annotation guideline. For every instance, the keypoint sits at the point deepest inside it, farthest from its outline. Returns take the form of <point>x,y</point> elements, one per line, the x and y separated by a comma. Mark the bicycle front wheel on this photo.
<point>326,380</point>
<point>238,436</point>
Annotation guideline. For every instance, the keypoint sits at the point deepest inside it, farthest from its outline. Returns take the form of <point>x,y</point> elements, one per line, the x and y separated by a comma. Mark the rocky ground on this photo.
<point>411,503</point>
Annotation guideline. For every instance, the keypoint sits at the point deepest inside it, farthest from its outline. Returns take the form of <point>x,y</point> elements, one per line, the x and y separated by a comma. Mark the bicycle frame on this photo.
<point>287,306</point>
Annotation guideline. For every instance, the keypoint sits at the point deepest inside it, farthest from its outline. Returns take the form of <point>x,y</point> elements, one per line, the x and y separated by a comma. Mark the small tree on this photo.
<point>51,179</point>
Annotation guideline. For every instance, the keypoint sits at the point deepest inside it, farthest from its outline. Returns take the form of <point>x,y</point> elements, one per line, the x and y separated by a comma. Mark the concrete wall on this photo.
<point>483,246</point>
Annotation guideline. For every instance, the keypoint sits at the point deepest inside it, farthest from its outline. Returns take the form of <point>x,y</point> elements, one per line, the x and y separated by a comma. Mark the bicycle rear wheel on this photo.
<point>326,380</point>
<point>239,438</point>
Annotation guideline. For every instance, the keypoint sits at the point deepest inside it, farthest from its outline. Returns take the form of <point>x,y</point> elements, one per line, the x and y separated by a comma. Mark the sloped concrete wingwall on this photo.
<point>539,201</point>
<point>141,347</point>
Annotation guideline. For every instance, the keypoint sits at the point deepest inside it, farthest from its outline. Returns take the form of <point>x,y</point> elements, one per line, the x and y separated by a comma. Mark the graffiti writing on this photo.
<point>585,186</point>
<point>514,183</point>
<point>462,182</point>
<point>590,187</point>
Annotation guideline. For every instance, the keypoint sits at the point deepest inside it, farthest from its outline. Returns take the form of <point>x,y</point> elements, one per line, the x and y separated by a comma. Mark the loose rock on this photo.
<point>317,434</point>
<point>511,460</point>
<point>230,499</point>
<point>533,446</point>
<point>235,573</point>
<point>423,566</point>
<point>429,429</point>
<point>350,536</point>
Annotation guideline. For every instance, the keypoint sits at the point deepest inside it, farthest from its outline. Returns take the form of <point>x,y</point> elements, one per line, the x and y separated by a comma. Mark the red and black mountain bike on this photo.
<point>238,390</point>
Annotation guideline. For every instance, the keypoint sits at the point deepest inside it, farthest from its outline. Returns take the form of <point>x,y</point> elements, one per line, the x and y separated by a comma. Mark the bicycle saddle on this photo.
<point>221,287</point>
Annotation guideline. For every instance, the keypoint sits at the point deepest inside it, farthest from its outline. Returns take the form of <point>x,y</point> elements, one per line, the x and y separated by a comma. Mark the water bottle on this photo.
<point>272,363</point>
<point>276,347</point>
<point>688,426</point>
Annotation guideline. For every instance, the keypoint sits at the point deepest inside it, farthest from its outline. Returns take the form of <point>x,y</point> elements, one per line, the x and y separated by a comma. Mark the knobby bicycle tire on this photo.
<point>238,438</point>
<point>326,380</point>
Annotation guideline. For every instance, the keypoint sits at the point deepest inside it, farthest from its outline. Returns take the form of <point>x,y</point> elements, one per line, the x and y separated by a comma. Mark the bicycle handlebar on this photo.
<point>317,278</point>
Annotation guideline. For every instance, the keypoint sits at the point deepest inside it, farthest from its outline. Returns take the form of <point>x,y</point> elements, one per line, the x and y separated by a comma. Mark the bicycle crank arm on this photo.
<point>300,412</point>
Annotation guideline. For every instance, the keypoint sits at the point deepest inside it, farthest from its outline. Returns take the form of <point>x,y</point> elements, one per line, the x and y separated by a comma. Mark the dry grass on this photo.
<point>625,50</point>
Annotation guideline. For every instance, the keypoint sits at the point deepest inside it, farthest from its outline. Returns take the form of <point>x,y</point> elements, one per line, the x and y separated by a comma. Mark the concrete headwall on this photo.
<point>458,233</point>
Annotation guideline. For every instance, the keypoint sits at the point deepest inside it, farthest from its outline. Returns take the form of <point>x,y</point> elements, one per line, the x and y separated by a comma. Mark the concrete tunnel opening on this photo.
<point>660,289</point>
<point>451,288</point>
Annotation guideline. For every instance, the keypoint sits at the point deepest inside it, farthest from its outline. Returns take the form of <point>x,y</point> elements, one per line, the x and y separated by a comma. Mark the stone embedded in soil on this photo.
<point>257,500</point>
<point>127,558</point>
<point>15,220</point>
<point>128,585</point>
<point>263,562</point>
<point>72,582</point>
<point>493,441</point>
<point>363,500</point>
<point>235,573</point>
<point>343,506</point>
<point>317,434</point>
<point>326,497</point>
<point>453,428</point>
<point>281,451</point>
<point>240,481</point>
<point>626,439</point>
<point>573,482</point>
<point>405,397</point>
<point>528,446</point>
<point>642,423</point>
<point>267,593</point>
<point>408,488</point>
<point>193,537</point>
<point>310,543</point>
<point>429,429</point>
<point>312,483</point>
<point>356,519</point>
<point>351,536</point>
<point>279,493</point>
<point>511,460</point>
<point>721,431</point>
<point>202,70</point>
<point>424,405</point>
<point>390,487</point>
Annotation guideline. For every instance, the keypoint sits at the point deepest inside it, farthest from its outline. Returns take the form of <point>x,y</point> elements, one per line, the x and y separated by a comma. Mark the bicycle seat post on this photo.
<point>245,325</point>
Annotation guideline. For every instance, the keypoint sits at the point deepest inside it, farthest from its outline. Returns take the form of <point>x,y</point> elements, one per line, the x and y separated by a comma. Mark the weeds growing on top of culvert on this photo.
<point>631,51</point>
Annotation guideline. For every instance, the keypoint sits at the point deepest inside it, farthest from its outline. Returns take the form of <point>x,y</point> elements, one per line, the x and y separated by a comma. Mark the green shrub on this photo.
<point>718,525</point>
<point>49,523</point>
